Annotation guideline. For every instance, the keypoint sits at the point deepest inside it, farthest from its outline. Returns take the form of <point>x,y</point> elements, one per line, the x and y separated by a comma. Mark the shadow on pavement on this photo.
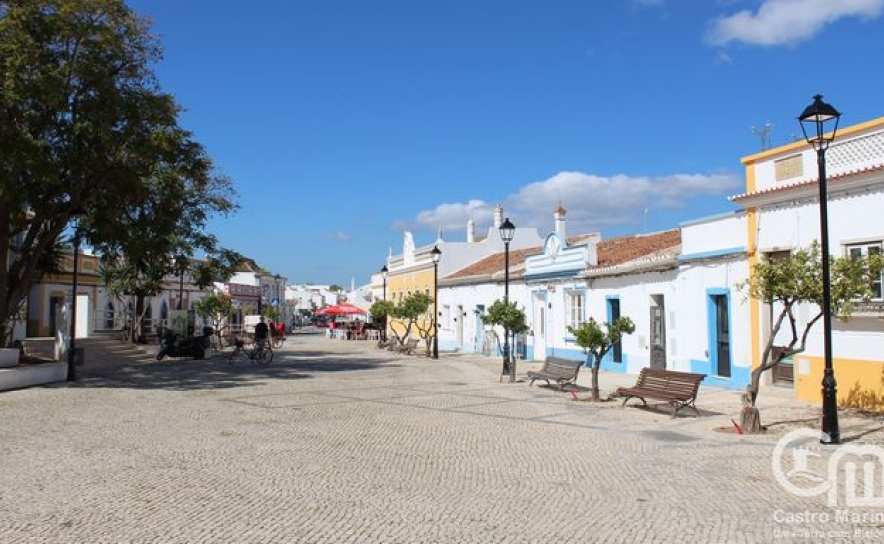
<point>218,373</point>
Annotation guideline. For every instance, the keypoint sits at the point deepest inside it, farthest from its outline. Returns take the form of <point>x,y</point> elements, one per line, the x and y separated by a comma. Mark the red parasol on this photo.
<point>341,309</point>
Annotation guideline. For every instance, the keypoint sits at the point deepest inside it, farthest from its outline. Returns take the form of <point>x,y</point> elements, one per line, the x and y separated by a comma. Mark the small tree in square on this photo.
<point>380,311</point>
<point>217,308</point>
<point>597,340</point>
<point>790,282</point>
<point>409,314</point>
<point>513,320</point>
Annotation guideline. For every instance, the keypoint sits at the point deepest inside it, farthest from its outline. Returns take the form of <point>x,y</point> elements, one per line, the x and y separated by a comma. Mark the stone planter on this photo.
<point>30,375</point>
<point>9,357</point>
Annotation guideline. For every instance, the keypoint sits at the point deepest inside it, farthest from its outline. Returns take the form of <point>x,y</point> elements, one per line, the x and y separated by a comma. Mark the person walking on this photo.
<point>261,331</point>
<point>279,334</point>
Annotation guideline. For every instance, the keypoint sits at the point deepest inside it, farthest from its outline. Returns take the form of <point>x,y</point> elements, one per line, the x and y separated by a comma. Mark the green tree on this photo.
<point>86,132</point>
<point>789,283</point>
<point>217,308</point>
<point>271,312</point>
<point>408,313</point>
<point>597,340</point>
<point>513,320</point>
<point>218,266</point>
<point>380,311</point>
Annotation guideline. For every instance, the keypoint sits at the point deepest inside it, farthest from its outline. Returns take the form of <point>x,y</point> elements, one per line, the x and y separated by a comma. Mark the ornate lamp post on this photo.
<point>436,254</point>
<point>507,232</point>
<point>815,122</point>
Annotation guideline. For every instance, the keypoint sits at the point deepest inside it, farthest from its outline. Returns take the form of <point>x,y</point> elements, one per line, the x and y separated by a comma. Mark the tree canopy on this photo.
<point>796,280</point>
<point>408,312</point>
<point>513,320</point>
<point>86,132</point>
<point>597,339</point>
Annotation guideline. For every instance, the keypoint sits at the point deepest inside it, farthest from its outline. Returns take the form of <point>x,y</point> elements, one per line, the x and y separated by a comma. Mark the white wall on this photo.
<point>469,297</point>
<point>713,234</point>
<point>634,292</point>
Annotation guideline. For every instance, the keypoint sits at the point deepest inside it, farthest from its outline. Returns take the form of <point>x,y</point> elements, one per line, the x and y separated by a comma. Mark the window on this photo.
<point>575,303</point>
<point>445,319</point>
<point>864,250</point>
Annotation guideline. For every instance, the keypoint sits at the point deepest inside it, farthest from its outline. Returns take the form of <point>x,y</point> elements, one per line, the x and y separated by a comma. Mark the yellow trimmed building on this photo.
<point>783,214</point>
<point>413,271</point>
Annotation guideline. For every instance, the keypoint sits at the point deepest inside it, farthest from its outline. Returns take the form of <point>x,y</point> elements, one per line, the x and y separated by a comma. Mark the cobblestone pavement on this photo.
<point>339,442</point>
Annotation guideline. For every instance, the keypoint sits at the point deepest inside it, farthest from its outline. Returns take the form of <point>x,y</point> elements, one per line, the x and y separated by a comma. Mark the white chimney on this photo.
<point>471,231</point>
<point>498,216</point>
<point>559,218</point>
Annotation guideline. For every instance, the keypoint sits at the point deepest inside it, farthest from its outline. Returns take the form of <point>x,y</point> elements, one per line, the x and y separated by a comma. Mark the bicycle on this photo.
<point>261,353</point>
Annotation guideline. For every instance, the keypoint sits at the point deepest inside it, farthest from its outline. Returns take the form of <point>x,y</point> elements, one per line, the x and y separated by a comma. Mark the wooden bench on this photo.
<point>408,347</point>
<point>677,388</point>
<point>557,369</point>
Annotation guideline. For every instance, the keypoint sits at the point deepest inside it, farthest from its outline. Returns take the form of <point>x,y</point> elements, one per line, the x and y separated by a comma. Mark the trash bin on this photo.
<point>79,356</point>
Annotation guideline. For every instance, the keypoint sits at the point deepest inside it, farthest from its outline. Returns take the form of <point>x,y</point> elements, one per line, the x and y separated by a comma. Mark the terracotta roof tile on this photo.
<point>610,253</point>
<point>494,263</point>
<point>629,248</point>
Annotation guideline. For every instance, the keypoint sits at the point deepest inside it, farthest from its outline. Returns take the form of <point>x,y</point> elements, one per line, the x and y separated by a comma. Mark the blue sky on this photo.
<point>343,123</point>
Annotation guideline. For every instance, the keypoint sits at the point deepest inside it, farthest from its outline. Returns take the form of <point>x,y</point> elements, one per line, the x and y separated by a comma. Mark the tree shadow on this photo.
<point>664,408</point>
<point>870,399</point>
<point>218,373</point>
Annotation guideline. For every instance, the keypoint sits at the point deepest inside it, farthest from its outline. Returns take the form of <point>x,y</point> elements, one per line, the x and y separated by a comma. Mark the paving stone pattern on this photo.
<point>339,442</point>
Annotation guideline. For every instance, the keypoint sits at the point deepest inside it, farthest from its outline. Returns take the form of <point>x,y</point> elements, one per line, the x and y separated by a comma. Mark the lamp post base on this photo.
<point>72,367</point>
<point>831,433</point>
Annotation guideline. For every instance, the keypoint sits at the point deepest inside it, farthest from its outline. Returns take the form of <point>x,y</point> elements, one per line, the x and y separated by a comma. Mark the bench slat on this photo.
<point>678,388</point>
<point>562,371</point>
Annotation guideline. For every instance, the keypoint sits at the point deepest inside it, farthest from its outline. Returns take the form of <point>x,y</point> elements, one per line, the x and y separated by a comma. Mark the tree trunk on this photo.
<point>5,332</point>
<point>595,380</point>
<point>139,335</point>
<point>750,417</point>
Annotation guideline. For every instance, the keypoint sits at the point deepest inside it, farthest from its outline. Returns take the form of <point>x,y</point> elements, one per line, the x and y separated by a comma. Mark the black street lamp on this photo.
<point>507,232</point>
<point>815,121</point>
<point>436,254</point>
<point>72,349</point>
<point>384,272</point>
<point>182,266</point>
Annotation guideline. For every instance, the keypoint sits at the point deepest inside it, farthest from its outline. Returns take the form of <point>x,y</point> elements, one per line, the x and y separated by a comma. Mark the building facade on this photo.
<point>783,214</point>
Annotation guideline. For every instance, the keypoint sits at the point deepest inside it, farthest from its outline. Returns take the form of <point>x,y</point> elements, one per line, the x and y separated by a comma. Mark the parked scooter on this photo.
<point>171,345</point>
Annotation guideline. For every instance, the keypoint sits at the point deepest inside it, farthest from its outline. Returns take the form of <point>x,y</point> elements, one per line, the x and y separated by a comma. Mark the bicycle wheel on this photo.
<point>233,356</point>
<point>263,355</point>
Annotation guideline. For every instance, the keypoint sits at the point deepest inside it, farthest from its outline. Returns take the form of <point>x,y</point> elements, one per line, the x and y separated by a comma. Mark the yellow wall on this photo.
<point>752,251</point>
<point>405,282</point>
<point>860,383</point>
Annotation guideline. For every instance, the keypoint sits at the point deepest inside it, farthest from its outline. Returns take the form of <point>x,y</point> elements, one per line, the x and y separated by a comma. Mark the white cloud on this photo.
<point>338,236</point>
<point>786,22</point>
<point>594,203</point>
<point>455,216</point>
